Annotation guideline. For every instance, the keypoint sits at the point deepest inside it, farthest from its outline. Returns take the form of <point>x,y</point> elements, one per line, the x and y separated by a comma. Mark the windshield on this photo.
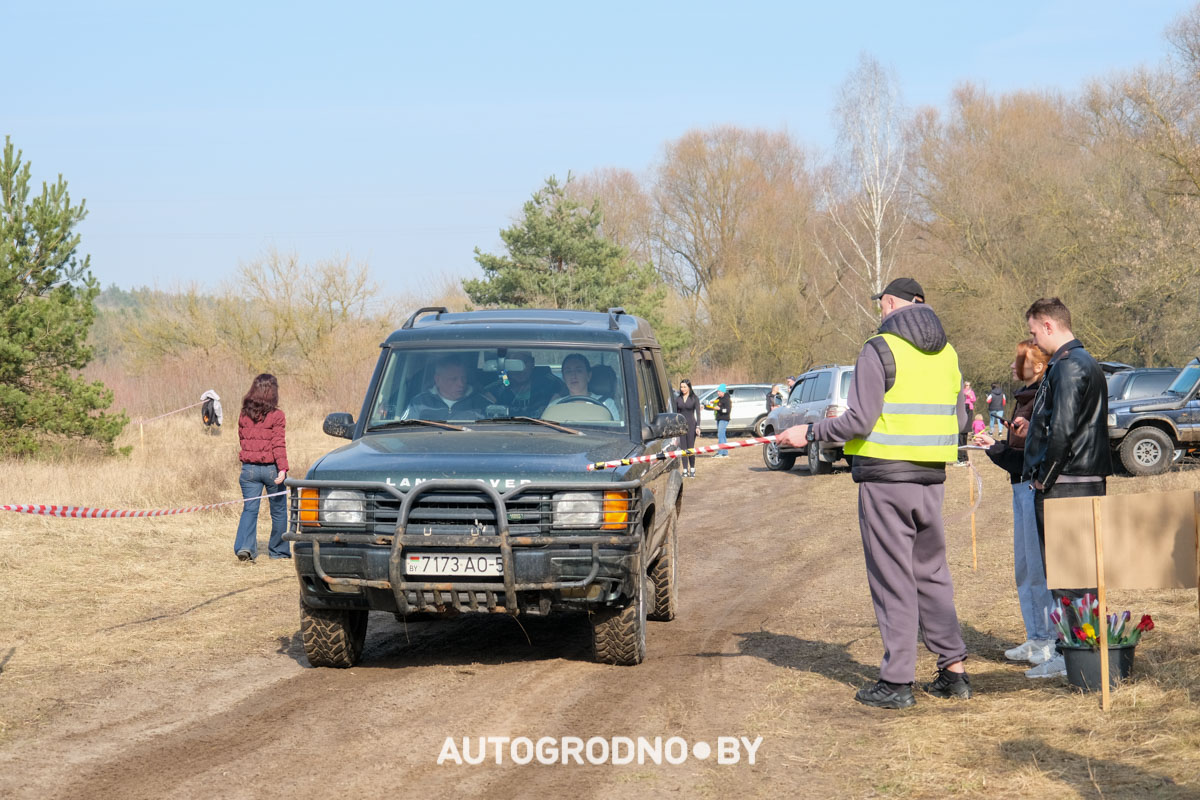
<point>1187,379</point>
<point>575,387</point>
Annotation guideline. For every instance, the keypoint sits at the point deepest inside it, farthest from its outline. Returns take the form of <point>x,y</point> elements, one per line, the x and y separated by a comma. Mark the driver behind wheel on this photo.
<point>576,372</point>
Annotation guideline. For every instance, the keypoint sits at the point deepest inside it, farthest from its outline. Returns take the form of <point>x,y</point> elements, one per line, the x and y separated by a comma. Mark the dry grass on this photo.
<point>86,596</point>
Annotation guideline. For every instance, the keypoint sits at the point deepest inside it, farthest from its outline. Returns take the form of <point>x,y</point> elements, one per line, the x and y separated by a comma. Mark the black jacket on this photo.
<point>1068,429</point>
<point>1010,455</point>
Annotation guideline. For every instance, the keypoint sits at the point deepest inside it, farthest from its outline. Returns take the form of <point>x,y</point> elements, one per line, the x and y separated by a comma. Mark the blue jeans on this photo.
<point>1032,593</point>
<point>255,478</point>
<point>994,423</point>
<point>722,424</point>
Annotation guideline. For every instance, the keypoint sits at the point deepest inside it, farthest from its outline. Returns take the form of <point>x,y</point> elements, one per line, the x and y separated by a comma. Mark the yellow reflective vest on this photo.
<point>920,412</point>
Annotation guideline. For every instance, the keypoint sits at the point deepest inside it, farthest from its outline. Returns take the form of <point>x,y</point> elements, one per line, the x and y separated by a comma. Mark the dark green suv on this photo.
<point>465,485</point>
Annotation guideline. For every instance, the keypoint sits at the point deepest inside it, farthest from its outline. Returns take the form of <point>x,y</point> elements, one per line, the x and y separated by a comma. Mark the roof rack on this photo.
<point>613,313</point>
<point>439,309</point>
<point>818,366</point>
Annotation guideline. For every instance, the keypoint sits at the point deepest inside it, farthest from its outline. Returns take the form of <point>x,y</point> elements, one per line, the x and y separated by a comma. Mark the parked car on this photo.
<point>749,407</point>
<point>1150,433</point>
<point>819,393</point>
<point>1134,384</point>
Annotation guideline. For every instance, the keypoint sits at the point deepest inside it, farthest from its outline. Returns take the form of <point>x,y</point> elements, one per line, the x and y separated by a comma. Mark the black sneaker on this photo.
<point>949,684</point>
<point>886,695</point>
<point>243,555</point>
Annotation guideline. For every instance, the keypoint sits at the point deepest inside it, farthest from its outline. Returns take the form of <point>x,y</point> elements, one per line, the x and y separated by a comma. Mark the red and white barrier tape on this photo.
<point>691,451</point>
<point>83,512</point>
<point>143,420</point>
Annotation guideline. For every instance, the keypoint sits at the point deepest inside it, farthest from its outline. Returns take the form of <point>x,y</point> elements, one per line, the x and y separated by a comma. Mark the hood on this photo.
<point>1163,403</point>
<point>918,325</point>
<point>503,455</point>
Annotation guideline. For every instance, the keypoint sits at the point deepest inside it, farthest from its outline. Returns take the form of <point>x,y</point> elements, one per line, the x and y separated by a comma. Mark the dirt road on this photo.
<point>774,635</point>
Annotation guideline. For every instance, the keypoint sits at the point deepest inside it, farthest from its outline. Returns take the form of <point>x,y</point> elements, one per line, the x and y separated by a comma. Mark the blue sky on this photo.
<point>404,135</point>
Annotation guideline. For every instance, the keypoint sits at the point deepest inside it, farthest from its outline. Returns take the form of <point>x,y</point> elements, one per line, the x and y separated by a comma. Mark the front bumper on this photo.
<point>357,569</point>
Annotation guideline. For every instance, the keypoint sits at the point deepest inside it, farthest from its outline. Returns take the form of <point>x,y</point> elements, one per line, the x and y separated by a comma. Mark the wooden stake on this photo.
<point>1102,622</point>
<point>971,480</point>
<point>141,434</point>
<point>1196,515</point>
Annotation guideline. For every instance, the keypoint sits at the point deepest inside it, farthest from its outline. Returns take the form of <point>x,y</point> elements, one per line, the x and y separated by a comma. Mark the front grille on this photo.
<point>460,512</point>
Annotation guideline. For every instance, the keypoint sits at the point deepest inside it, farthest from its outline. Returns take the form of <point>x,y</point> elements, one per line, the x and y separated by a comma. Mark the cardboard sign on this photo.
<point>1149,541</point>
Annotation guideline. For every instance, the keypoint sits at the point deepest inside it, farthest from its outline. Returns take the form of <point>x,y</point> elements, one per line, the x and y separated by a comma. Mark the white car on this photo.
<point>749,407</point>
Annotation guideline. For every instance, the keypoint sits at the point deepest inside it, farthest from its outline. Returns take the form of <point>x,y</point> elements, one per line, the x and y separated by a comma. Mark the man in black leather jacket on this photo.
<point>1066,447</point>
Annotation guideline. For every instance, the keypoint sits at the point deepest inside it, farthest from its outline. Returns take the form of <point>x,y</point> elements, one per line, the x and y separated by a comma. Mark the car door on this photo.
<point>652,402</point>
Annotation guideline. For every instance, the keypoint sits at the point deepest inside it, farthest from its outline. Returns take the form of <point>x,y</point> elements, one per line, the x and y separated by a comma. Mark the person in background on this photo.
<point>996,403</point>
<point>978,426</point>
<point>261,429</point>
<point>721,407</point>
<point>774,397</point>
<point>526,394</point>
<point>905,412</point>
<point>1029,368</point>
<point>1067,453</point>
<point>969,394</point>
<point>687,404</point>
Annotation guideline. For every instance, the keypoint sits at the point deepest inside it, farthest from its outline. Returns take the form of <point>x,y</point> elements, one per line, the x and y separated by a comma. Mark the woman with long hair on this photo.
<point>261,428</point>
<point>687,404</point>
<point>1029,367</point>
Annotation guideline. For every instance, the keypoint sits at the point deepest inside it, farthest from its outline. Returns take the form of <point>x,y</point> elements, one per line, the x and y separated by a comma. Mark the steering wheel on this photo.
<point>580,398</point>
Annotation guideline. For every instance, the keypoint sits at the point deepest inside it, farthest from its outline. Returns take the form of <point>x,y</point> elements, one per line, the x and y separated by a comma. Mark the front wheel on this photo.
<point>1147,451</point>
<point>662,576</point>
<point>333,637</point>
<point>760,426</point>
<point>619,635</point>
<point>777,461</point>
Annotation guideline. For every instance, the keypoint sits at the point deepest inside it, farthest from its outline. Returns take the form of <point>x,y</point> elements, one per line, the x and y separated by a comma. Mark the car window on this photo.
<point>1150,384</point>
<point>1116,382</point>
<point>821,385</point>
<point>810,384</point>
<point>844,389</point>
<point>797,391</point>
<point>1187,378</point>
<point>648,395</point>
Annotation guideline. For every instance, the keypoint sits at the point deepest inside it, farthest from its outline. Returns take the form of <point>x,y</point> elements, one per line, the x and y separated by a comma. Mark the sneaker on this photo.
<point>1021,652</point>
<point>949,684</point>
<point>243,555</point>
<point>1043,650</point>
<point>886,695</point>
<point>1051,669</point>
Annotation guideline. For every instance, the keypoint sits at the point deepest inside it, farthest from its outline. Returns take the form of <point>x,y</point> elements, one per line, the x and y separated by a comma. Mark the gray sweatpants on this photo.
<point>905,549</point>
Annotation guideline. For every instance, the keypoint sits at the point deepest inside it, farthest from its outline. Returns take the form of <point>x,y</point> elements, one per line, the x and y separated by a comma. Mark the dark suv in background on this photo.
<point>1138,382</point>
<point>1151,433</point>
<point>821,392</point>
<point>465,489</point>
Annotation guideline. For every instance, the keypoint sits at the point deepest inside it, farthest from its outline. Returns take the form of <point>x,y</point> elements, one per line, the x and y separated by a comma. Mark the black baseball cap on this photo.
<point>905,289</point>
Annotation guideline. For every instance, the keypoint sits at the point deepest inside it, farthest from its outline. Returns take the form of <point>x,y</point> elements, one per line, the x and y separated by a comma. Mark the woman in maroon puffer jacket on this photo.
<point>264,466</point>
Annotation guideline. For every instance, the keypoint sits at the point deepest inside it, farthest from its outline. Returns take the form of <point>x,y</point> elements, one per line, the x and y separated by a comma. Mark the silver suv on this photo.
<point>817,394</point>
<point>748,407</point>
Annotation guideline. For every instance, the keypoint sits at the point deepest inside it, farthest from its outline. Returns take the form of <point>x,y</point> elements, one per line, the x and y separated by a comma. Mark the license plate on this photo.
<point>463,564</point>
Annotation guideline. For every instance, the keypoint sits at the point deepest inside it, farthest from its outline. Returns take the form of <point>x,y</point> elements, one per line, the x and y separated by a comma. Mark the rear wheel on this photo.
<point>619,635</point>
<point>333,637</point>
<point>776,460</point>
<point>815,465</point>
<point>1147,451</point>
<point>662,576</point>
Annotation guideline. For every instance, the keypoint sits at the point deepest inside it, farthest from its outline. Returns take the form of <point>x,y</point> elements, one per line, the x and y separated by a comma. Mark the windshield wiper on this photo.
<point>399,423</point>
<point>562,428</point>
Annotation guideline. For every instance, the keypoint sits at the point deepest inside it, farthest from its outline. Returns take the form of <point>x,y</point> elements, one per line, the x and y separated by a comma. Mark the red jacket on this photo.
<point>263,442</point>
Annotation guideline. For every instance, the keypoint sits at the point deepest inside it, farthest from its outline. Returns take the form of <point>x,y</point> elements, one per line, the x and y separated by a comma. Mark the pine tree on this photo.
<point>46,295</point>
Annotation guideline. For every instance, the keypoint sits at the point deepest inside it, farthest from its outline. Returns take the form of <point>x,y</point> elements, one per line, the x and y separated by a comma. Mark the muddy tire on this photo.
<point>760,425</point>
<point>777,461</point>
<point>662,576</point>
<point>1147,451</point>
<point>332,637</point>
<point>815,465</point>
<point>619,635</point>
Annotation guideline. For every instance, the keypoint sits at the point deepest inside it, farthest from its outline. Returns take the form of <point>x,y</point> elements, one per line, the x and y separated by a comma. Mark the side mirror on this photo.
<point>339,424</point>
<point>665,426</point>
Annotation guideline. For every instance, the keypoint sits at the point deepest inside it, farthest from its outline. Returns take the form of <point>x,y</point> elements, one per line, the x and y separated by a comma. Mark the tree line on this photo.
<point>752,254</point>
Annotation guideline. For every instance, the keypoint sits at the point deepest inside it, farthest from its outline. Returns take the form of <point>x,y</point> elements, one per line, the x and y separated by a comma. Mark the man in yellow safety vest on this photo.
<point>905,411</point>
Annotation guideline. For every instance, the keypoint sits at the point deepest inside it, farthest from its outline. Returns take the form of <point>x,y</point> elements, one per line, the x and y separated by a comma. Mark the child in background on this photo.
<point>978,425</point>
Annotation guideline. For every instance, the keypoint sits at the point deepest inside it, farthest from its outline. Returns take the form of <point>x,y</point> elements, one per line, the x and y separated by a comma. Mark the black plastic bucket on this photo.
<point>1083,666</point>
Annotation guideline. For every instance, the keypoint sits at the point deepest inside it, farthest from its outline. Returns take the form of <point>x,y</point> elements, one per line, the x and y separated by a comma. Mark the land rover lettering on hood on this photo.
<point>464,486</point>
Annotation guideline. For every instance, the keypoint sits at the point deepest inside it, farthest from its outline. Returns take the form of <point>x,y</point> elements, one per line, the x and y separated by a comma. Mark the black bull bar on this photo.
<point>503,540</point>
